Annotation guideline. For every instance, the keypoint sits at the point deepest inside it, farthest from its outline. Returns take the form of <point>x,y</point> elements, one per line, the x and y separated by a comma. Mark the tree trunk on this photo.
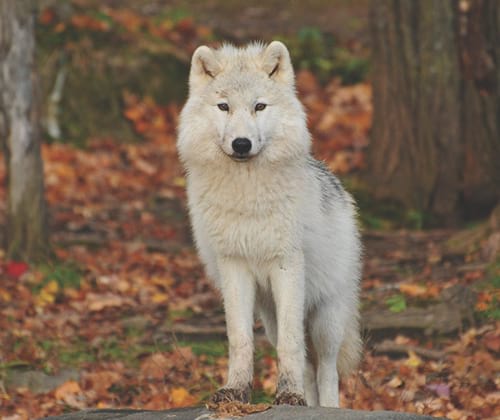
<point>429,120</point>
<point>26,227</point>
<point>479,41</point>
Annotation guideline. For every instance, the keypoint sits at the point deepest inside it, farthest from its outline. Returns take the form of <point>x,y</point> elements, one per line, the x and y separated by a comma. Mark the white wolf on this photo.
<point>274,228</point>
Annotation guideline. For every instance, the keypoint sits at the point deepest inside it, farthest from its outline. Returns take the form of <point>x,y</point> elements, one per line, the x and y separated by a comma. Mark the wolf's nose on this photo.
<point>242,145</point>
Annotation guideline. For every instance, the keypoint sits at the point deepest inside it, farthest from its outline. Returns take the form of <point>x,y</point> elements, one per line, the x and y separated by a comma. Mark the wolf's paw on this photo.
<point>225,395</point>
<point>290,398</point>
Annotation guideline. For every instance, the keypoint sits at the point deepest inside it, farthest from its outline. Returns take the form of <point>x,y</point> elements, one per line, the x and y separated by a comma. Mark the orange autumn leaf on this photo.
<point>71,394</point>
<point>413,290</point>
<point>181,397</point>
<point>67,388</point>
<point>484,300</point>
<point>88,22</point>
<point>134,113</point>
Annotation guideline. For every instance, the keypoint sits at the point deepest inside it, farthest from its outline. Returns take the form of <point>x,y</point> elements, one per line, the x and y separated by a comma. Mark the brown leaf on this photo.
<point>101,381</point>
<point>413,290</point>
<point>492,341</point>
<point>97,302</point>
<point>156,365</point>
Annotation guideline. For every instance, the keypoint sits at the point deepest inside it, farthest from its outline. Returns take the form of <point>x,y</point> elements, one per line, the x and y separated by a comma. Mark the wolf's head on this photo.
<point>242,106</point>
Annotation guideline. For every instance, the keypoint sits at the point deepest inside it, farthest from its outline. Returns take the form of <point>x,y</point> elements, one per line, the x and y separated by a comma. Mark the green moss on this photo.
<point>212,348</point>
<point>74,354</point>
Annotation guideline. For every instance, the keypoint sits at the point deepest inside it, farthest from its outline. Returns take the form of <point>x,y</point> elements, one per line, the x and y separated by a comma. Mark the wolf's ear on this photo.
<point>204,66</point>
<point>277,64</point>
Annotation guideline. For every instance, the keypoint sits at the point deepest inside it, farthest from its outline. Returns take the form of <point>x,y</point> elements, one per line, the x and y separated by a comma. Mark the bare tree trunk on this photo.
<point>430,120</point>
<point>26,227</point>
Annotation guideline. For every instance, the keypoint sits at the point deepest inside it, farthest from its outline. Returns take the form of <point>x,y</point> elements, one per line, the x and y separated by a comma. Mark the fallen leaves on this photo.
<point>413,360</point>
<point>151,120</point>
<point>422,291</point>
<point>395,382</point>
<point>492,341</point>
<point>47,294</point>
<point>97,302</point>
<point>101,381</point>
<point>339,118</point>
<point>82,21</point>
<point>441,389</point>
<point>180,397</point>
<point>236,409</point>
<point>70,393</point>
<point>155,366</point>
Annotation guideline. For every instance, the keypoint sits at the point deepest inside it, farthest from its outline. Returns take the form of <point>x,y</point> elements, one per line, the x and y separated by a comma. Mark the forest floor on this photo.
<point>125,316</point>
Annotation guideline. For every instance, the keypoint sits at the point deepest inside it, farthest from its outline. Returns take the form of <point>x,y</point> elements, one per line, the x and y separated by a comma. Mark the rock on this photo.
<point>276,413</point>
<point>39,382</point>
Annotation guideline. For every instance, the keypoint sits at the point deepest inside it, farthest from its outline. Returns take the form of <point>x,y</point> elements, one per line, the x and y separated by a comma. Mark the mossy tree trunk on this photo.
<point>433,122</point>
<point>26,227</point>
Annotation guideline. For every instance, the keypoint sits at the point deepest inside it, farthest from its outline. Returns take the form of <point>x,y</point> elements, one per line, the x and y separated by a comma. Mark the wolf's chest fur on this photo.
<point>244,216</point>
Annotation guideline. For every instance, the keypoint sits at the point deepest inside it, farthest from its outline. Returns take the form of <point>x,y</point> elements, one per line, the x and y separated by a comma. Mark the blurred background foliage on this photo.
<point>100,49</point>
<point>320,53</point>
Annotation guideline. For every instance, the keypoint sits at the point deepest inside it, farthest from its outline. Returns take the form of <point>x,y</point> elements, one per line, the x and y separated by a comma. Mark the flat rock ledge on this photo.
<point>275,413</point>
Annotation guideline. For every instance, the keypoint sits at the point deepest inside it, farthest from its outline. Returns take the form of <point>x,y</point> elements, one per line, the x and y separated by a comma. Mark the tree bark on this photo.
<point>26,227</point>
<point>479,43</point>
<point>429,119</point>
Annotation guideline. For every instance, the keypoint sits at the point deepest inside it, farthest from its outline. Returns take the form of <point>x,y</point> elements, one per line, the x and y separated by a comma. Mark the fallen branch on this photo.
<point>440,318</point>
<point>390,347</point>
<point>457,305</point>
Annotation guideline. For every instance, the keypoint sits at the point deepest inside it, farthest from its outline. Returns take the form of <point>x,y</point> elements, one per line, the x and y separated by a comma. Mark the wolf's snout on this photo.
<point>241,145</point>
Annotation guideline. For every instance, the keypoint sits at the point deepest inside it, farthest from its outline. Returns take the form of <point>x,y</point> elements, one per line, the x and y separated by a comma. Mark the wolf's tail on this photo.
<point>350,349</point>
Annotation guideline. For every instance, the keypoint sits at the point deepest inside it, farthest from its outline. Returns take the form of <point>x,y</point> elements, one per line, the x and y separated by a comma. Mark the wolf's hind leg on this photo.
<point>238,290</point>
<point>327,331</point>
<point>266,310</point>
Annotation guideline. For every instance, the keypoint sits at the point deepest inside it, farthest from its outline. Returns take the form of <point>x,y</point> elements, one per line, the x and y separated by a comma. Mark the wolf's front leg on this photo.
<point>288,286</point>
<point>238,291</point>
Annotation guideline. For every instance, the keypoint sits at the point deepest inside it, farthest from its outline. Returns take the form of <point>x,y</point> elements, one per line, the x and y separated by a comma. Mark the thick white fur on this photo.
<point>277,236</point>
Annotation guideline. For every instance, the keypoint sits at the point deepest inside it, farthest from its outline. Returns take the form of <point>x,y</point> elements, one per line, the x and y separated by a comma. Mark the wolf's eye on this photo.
<point>223,106</point>
<point>260,106</point>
